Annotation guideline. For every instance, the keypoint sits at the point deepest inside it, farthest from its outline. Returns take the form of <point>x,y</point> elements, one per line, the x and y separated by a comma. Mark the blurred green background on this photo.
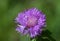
<point>10,8</point>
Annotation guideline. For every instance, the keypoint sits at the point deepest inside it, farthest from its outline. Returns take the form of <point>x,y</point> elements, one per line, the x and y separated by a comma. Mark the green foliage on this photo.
<point>10,8</point>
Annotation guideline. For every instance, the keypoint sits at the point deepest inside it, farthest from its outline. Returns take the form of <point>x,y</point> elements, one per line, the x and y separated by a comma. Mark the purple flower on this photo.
<point>31,22</point>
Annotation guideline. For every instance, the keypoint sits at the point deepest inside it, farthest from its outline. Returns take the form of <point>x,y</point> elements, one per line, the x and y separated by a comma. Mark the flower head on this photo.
<point>30,22</point>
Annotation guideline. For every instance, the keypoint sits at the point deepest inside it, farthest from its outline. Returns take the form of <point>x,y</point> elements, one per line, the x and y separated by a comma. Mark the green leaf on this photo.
<point>24,38</point>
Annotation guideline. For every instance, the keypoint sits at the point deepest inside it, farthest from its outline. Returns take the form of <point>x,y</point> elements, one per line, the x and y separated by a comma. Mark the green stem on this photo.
<point>33,39</point>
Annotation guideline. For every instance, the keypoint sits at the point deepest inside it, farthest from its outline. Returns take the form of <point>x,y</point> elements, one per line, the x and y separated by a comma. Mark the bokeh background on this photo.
<point>10,8</point>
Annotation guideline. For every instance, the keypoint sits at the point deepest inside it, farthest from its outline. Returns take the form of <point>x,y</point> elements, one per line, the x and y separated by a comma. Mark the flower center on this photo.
<point>31,21</point>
